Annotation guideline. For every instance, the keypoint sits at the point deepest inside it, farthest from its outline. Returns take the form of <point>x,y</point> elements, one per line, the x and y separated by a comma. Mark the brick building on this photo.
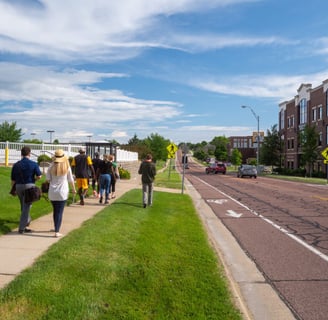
<point>247,145</point>
<point>309,106</point>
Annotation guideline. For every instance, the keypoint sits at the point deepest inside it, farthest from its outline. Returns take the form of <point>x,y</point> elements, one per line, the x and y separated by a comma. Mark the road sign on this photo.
<point>171,156</point>
<point>325,153</point>
<point>172,148</point>
<point>325,161</point>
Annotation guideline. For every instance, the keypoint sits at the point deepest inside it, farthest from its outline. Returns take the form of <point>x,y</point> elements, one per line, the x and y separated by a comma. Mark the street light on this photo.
<point>51,132</point>
<point>258,135</point>
<point>89,136</point>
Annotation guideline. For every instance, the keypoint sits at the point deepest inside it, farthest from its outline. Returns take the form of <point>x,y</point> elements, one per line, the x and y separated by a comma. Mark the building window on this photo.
<point>320,112</point>
<point>320,139</point>
<point>327,103</point>
<point>303,113</point>
<point>314,114</point>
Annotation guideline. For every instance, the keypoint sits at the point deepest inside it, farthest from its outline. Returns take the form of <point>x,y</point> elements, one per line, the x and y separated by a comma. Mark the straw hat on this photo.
<point>59,156</point>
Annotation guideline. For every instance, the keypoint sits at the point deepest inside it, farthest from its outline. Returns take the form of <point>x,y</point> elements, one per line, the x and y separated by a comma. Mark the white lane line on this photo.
<point>292,236</point>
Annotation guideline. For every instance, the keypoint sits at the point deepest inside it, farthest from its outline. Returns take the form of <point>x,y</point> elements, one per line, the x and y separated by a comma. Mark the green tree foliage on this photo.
<point>221,148</point>
<point>34,141</point>
<point>309,138</point>
<point>157,144</point>
<point>236,157</point>
<point>134,141</point>
<point>137,145</point>
<point>9,132</point>
<point>200,155</point>
<point>271,148</point>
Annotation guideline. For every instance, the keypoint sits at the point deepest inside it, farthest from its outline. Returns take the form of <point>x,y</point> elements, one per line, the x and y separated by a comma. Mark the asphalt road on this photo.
<point>283,228</point>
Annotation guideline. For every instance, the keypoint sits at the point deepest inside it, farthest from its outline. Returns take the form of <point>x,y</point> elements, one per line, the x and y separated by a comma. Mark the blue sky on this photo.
<point>111,69</point>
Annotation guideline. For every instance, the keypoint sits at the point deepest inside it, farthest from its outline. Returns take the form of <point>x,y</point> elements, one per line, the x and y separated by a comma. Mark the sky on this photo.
<point>97,70</point>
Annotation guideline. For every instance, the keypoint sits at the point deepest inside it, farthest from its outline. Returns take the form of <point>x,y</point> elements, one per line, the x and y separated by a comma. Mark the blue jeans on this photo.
<point>25,217</point>
<point>105,181</point>
<point>58,210</point>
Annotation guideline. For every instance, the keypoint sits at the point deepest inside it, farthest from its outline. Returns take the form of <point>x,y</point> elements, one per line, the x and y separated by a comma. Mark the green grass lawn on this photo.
<point>126,263</point>
<point>10,207</point>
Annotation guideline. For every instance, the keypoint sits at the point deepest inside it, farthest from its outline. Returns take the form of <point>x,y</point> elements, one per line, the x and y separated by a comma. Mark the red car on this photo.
<point>216,168</point>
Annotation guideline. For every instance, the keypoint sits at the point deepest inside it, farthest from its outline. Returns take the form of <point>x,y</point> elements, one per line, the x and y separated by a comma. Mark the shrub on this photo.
<point>43,158</point>
<point>124,174</point>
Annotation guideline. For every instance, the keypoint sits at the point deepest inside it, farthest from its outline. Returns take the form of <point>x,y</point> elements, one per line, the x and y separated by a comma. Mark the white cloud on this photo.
<point>103,30</point>
<point>62,100</point>
<point>267,86</point>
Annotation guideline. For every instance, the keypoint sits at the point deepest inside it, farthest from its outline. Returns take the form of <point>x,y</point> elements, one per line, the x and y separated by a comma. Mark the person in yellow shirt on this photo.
<point>81,166</point>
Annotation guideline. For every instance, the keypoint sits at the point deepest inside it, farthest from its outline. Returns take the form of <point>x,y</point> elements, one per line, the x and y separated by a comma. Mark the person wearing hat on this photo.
<point>59,175</point>
<point>82,165</point>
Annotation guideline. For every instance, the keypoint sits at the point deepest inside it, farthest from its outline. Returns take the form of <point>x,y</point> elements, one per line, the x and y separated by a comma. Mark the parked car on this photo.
<point>247,170</point>
<point>216,168</point>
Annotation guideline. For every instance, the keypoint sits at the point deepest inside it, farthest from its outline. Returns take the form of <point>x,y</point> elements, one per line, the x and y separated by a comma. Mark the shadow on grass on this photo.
<point>5,225</point>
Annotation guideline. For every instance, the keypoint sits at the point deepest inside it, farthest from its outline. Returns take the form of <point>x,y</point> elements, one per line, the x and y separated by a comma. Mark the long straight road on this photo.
<point>283,228</point>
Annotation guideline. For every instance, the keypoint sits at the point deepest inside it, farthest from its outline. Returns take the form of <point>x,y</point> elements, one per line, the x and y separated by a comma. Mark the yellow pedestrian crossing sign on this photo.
<point>172,149</point>
<point>324,153</point>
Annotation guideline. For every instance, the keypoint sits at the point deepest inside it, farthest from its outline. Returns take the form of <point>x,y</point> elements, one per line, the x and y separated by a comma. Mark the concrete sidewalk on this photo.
<point>19,251</point>
<point>254,296</point>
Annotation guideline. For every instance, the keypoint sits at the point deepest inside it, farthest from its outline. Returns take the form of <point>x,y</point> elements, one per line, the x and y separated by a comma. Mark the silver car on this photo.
<point>247,170</point>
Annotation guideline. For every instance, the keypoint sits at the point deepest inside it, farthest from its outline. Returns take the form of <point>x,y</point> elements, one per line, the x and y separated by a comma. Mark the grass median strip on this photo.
<point>126,263</point>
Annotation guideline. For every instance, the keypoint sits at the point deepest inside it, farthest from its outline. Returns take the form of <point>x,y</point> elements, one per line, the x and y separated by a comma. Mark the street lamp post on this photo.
<point>258,135</point>
<point>50,132</point>
<point>89,136</point>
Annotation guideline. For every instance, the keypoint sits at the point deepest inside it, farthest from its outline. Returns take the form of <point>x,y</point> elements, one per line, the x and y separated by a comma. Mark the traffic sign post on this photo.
<point>324,153</point>
<point>172,149</point>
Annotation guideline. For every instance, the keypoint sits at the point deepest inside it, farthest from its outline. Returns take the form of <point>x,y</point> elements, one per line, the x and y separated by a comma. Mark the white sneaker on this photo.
<point>58,235</point>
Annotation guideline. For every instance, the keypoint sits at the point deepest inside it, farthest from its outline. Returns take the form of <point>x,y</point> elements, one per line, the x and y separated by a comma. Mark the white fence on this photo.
<point>10,152</point>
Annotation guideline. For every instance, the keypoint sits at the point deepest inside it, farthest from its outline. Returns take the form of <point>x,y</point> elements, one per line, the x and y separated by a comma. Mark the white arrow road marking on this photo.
<point>218,201</point>
<point>233,214</point>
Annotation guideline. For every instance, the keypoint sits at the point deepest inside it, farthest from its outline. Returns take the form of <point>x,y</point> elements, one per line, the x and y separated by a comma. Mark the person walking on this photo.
<point>105,171</point>
<point>95,180</point>
<point>59,175</point>
<point>81,165</point>
<point>24,173</point>
<point>114,176</point>
<point>147,170</point>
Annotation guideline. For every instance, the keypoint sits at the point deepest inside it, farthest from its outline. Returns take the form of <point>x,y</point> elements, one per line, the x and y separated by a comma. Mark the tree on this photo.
<point>309,138</point>
<point>9,132</point>
<point>271,147</point>
<point>221,149</point>
<point>236,157</point>
<point>34,141</point>
<point>157,144</point>
<point>134,140</point>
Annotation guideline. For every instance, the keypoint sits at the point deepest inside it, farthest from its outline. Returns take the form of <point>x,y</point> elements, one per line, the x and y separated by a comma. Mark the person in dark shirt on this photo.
<point>147,170</point>
<point>81,165</point>
<point>105,172</point>
<point>95,181</point>
<point>24,173</point>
